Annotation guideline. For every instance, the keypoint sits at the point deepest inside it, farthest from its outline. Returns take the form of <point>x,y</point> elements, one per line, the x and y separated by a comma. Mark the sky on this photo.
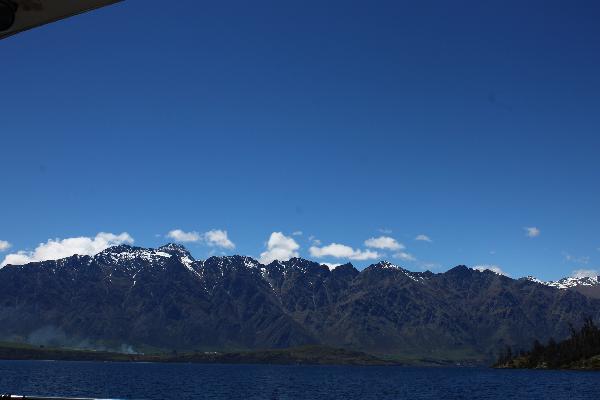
<point>430,133</point>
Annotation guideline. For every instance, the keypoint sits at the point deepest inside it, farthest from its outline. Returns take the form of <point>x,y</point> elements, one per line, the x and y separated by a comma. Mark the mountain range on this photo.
<point>136,299</point>
<point>586,285</point>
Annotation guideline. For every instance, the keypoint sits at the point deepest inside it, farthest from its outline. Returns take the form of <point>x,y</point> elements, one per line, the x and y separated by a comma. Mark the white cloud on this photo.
<point>494,268</point>
<point>314,241</point>
<point>331,266</point>
<point>385,231</point>
<point>55,249</point>
<point>423,238</point>
<point>20,258</point>
<point>297,233</point>
<point>279,247</point>
<point>583,273</point>
<point>405,256</point>
<point>184,237</point>
<point>342,251</point>
<point>532,231</point>
<point>218,238</point>
<point>4,245</point>
<point>575,259</point>
<point>384,243</point>
<point>213,238</point>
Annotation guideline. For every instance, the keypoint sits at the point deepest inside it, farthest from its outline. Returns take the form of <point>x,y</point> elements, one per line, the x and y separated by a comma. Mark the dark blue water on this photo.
<point>196,381</point>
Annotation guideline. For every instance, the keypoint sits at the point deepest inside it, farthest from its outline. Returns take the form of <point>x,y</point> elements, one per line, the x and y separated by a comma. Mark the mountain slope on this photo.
<point>586,285</point>
<point>461,313</point>
<point>157,298</point>
<point>163,298</point>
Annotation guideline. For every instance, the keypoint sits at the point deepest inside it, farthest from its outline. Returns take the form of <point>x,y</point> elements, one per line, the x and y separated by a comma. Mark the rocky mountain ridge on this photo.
<point>162,298</point>
<point>586,285</point>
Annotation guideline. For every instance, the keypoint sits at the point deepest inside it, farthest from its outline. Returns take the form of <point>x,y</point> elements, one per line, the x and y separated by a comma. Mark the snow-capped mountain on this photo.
<point>164,298</point>
<point>569,282</point>
<point>586,285</point>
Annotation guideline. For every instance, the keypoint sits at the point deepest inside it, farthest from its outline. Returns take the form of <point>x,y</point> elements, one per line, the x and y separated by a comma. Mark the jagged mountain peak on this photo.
<point>303,264</point>
<point>126,253</point>
<point>568,282</point>
<point>235,260</point>
<point>177,250</point>
<point>299,260</point>
<point>121,248</point>
<point>588,286</point>
<point>345,269</point>
<point>294,261</point>
<point>387,265</point>
<point>148,298</point>
<point>531,278</point>
<point>582,280</point>
<point>460,269</point>
<point>386,268</point>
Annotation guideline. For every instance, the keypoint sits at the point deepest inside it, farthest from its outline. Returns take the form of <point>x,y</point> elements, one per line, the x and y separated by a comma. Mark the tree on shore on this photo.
<point>581,345</point>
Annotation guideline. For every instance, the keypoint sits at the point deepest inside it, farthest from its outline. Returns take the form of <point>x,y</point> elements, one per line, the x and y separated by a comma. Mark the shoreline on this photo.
<point>310,355</point>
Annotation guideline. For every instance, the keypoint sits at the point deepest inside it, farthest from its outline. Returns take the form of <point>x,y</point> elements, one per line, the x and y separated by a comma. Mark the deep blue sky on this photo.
<point>464,121</point>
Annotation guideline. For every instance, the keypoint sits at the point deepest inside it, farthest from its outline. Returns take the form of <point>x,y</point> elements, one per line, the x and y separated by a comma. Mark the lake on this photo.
<point>200,381</point>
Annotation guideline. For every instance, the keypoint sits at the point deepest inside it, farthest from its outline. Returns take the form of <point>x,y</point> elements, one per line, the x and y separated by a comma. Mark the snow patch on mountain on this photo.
<point>414,276</point>
<point>127,253</point>
<point>569,282</point>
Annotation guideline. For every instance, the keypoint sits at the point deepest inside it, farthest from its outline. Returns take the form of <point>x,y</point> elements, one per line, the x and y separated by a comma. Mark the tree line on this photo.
<point>581,345</point>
